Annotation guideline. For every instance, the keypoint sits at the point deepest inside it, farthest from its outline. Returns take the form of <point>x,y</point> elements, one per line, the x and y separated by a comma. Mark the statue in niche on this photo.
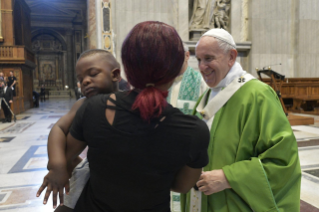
<point>221,14</point>
<point>36,46</point>
<point>209,14</point>
<point>201,14</point>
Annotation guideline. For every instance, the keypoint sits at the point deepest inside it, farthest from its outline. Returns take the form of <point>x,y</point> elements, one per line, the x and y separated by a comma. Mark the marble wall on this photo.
<point>280,31</point>
<point>127,13</point>
<point>271,31</point>
<point>307,44</point>
<point>286,32</point>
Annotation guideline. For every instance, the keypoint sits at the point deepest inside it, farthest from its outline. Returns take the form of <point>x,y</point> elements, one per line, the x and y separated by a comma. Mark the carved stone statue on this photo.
<point>201,15</point>
<point>209,14</point>
<point>221,14</point>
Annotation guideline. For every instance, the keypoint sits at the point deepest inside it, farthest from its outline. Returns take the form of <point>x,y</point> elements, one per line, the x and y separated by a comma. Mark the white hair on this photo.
<point>226,47</point>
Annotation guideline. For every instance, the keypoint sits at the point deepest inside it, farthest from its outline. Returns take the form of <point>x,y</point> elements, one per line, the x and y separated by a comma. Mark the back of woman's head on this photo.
<point>152,55</point>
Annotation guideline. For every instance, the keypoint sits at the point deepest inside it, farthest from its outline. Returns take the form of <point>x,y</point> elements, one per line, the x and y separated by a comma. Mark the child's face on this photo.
<point>95,75</point>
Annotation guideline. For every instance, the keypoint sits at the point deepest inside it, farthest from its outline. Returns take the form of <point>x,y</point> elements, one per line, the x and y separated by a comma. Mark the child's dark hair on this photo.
<point>109,56</point>
<point>152,55</point>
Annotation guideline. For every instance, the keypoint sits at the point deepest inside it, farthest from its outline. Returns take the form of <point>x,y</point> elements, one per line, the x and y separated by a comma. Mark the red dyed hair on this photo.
<point>152,53</point>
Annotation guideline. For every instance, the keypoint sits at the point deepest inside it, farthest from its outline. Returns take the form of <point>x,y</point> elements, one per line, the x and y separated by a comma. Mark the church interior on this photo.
<point>41,40</point>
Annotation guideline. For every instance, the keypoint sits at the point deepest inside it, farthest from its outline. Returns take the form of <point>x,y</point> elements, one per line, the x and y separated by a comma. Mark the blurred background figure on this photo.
<point>78,93</point>
<point>12,80</point>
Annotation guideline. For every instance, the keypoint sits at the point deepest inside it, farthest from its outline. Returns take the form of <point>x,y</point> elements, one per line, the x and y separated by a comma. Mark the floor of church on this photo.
<point>23,158</point>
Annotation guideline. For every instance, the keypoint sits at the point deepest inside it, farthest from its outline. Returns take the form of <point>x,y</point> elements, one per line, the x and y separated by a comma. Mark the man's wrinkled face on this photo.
<point>214,64</point>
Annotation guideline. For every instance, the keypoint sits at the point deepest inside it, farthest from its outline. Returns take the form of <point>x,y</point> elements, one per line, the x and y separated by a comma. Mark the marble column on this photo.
<point>57,67</point>
<point>92,29</point>
<point>239,20</point>
<point>37,66</point>
<point>64,77</point>
<point>181,11</point>
<point>98,23</point>
<point>294,42</point>
<point>106,26</point>
<point>0,22</point>
<point>70,59</point>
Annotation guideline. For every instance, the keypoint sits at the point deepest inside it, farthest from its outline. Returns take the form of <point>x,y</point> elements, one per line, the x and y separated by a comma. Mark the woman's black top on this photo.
<point>133,162</point>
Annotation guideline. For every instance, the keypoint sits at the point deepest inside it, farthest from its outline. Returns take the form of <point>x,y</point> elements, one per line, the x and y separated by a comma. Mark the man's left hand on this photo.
<point>212,182</point>
<point>10,101</point>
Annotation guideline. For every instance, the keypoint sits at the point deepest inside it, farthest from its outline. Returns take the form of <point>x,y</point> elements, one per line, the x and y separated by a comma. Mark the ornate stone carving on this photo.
<point>208,14</point>
<point>221,14</point>
<point>36,45</point>
<point>201,16</point>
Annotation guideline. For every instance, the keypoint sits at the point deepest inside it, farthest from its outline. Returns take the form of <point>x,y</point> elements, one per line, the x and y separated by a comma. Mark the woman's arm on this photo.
<point>185,179</point>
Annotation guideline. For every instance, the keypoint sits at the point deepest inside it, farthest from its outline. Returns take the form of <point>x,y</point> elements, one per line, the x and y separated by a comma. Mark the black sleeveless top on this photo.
<point>133,162</point>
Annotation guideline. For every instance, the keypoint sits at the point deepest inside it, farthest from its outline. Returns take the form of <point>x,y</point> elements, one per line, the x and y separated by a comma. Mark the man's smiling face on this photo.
<point>214,64</point>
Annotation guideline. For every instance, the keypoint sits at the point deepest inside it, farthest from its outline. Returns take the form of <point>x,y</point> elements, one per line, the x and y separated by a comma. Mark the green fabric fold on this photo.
<point>252,141</point>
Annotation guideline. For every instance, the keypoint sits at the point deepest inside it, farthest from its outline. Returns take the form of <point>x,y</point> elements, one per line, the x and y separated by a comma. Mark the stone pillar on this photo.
<point>64,77</point>
<point>98,23</point>
<point>293,60</point>
<point>92,29</point>
<point>239,20</point>
<point>236,17</point>
<point>181,11</point>
<point>106,26</point>
<point>70,60</point>
<point>57,67</point>
<point>37,67</point>
<point>1,38</point>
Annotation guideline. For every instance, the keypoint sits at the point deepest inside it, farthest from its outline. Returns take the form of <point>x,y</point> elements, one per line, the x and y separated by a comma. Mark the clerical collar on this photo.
<point>236,71</point>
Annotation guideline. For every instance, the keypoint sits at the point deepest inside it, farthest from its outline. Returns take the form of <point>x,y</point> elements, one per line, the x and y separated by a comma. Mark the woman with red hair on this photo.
<point>140,147</point>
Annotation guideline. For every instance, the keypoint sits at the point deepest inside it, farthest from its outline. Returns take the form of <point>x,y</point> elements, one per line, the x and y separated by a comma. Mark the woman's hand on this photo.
<point>212,182</point>
<point>55,181</point>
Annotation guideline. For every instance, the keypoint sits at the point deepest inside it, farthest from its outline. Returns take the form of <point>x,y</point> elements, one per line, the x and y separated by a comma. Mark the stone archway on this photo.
<point>50,51</point>
<point>55,34</point>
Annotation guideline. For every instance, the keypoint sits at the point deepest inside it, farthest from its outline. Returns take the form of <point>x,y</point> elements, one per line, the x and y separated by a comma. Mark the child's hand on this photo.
<point>55,181</point>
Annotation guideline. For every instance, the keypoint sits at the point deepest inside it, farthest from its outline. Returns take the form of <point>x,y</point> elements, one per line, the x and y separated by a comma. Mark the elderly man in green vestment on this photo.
<point>254,163</point>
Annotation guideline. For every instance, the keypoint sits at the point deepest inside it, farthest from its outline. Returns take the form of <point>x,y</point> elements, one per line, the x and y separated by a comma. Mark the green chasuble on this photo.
<point>252,141</point>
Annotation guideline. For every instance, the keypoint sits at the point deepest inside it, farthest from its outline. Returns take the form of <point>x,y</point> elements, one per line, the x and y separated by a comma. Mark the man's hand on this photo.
<point>212,182</point>
<point>10,101</point>
<point>55,181</point>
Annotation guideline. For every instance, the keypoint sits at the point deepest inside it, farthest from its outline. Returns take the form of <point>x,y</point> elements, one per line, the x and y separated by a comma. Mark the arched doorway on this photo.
<point>50,51</point>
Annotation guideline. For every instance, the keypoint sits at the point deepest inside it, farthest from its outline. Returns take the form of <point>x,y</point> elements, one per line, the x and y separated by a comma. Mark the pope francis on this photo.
<point>254,163</point>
